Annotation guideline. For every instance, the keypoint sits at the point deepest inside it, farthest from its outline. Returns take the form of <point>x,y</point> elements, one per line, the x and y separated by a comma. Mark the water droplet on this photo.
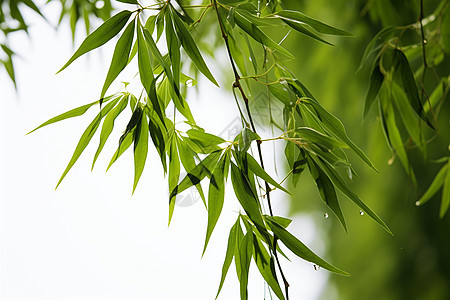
<point>425,42</point>
<point>99,4</point>
<point>325,215</point>
<point>361,212</point>
<point>189,82</point>
<point>258,14</point>
<point>290,103</point>
<point>417,203</point>
<point>316,267</point>
<point>250,59</point>
<point>391,161</point>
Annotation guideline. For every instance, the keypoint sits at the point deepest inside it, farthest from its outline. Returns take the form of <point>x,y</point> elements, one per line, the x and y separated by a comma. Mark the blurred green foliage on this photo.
<point>415,263</point>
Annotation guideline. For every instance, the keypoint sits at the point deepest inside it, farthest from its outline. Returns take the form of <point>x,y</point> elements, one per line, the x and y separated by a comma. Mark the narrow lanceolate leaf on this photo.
<point>86,137</point>
<point>140,148</point>
<point>437,183</point>
<point>174,172</point>
<point>376,79</point>
<point>335,127</point>
<point>305,30</point>
<point>326,191</point>
<point>76,112</point>
<point>257,34</point>
<point>445,203</point>
<point>108,126</point>
<point>266,267</point>
<point>174,48</point>
<point>120,56</point>
<point>109,29</point>
<point>322,140</point>
<point>317,25</point>
<point>191,49</point>
<point>254,166</point>
<point>245,256</point>
<point>247,198</point>
<point>409,85</point>
<point>231,247</point>
<point>203,169</point>
<point>216,195</point>
<point>299,249</point>
<point>342,186</point>
<point>123,146</point>
<point>144,61</point>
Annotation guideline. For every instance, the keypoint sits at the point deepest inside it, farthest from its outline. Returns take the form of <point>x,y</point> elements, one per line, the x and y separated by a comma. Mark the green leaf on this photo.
<point>144,61</point>
<point>322,140</point>
<point>317,25</point>
<point>108,125</point>
<point>204,137</point>
<point>409,85</point>
<point>326,191</point>
<point>174,48</point>
<point>174,172</point>
<point>140,148</point>
<point>254,166</point>
<point>216,196</point>
<point>247,198</point>
<point>86,137</point>
<point>342,186</point>
<point>266,267</point>
<point>76,112</point>
<point>129,1</point>
<point>376,79</point>
<point>437,183</point>
<point>120,56</point>
<point>445,203</point>
<point>109,29</point>
<point>231,247</point>
<point>245,256</point>
<point>334,126</point>
<point>299,249</point>
<point>194,176</point>
<point>123,146</point>
<point>259,36</point>
<point>191,49</point>
<point>305,30</point>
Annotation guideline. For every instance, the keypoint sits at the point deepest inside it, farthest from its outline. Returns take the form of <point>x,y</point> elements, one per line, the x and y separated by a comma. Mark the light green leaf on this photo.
<point>231,247</point>
<point>120,56</point>
<point>305,30</point>
<point>317,25</point>
<point>191,49</point>
<point>123,146</point>
<point>144,61</point>
<point>140,148</point>
<point>216,196</point>
<point>129,1</point>
<point>174,48</point>
<point>87,136</point>
<point>259,36</point>
<point>245,256</point>
<point>109,29</point>
<point>437,183</point>
<point>76,112</point>
<point>299,249</point>
<point>254,166</point>
<point>445,203</point>
<point>320,139</point>
<point>108,125</point>
<point>174,172</point>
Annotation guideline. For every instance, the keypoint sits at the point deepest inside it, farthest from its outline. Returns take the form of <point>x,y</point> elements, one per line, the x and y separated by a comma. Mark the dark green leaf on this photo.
<point>120,56</point>
<point>254,166</point>
<point>306,31</point>
<point>437,183</point>
<point>445,203</point>
<point>376,79</point>
<point>140,148</point>
<point>299,249</point>
<point>245,256</point>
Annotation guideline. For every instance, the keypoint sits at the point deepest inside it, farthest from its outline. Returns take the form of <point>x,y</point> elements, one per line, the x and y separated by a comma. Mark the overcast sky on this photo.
<point>92,239</point>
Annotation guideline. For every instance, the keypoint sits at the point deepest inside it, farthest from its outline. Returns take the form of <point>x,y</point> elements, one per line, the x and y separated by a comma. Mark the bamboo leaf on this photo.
<point>120,56</point>
<point>245,256</point>
<point>254,166</point>
<point>376,79</point>
<point>300,27</point>
<point>76,112</point>
<point>140,148</point>
<point>123,146</point>
<point>216,196</point>
<point>445,203</point>
<point>174,48</point>
<point>174,172</point>
<point>109,29</point>
<point>191,49</point>
<point>86,137</point>
<point>437,183</point>
<point>317,25</point>
<point>144,61</point>
<point>320,139</point>
<point>231,248</point>
<point>108,125</point>
<point>299,249</point>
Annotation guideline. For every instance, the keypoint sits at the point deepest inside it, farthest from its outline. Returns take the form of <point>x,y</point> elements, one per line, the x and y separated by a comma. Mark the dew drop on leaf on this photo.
<point>316,267</point>
<point>361,212</point>
<point>325,215</point>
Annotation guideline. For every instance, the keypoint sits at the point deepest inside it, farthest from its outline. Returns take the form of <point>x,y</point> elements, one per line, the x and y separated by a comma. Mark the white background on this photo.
<point>92,239</point>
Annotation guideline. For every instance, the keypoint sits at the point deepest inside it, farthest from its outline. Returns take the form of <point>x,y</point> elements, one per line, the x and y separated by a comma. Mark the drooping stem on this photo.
<point>237,84</point>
